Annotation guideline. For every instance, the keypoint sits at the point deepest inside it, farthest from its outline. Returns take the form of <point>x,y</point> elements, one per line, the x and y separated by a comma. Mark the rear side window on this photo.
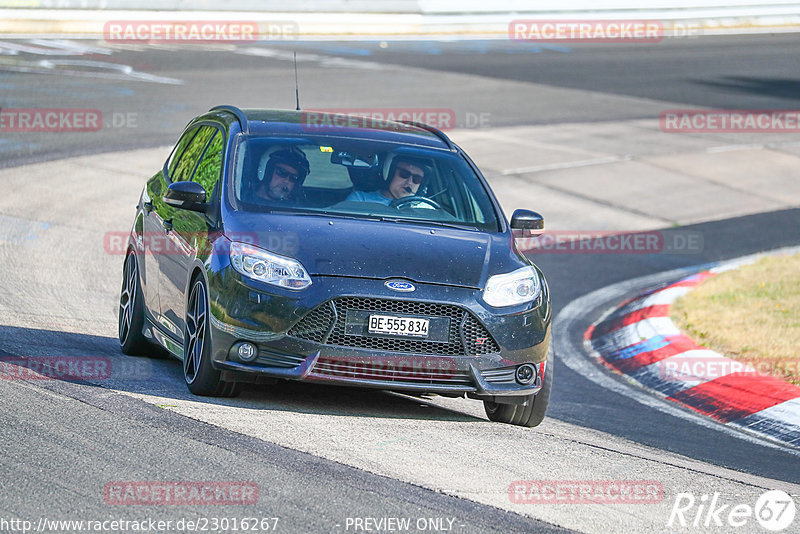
<point>191,155</point>
<point>210,168</point>
<point>179,149</point>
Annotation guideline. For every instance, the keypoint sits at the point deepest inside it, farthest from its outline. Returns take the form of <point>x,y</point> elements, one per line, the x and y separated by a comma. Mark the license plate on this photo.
<point>398,326</point>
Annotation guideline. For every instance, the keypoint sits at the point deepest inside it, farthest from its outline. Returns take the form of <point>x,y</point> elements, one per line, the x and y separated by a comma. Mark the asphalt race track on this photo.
<point>570,131</point>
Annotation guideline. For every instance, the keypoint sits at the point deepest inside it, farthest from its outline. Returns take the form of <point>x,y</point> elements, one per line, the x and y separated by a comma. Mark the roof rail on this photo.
<point>240,116</point>
<point>435,131</point>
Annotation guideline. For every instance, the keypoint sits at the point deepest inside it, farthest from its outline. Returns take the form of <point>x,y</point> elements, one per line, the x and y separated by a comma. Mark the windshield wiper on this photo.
<point>327,214</point>
<point>373,217</point>
<point>435,223</point>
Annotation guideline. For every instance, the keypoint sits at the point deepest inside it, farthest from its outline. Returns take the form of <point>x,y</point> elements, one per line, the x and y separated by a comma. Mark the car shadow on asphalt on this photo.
<point>42,357</point>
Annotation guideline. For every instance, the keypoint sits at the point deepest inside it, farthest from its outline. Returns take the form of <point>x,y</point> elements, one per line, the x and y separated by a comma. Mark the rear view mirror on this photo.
<point>348,159</point>
<point>525,223</point>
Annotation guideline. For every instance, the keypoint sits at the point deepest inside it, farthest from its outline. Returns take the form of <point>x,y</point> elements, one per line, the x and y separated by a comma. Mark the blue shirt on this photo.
<point>368,196</point>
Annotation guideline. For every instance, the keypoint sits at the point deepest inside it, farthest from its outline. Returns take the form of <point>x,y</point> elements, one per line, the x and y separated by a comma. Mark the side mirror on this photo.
<point>186,195</point>
<point>525,223</point>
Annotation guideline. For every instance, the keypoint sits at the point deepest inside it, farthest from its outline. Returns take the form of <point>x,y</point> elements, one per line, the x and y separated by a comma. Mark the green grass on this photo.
<point>751,314</point>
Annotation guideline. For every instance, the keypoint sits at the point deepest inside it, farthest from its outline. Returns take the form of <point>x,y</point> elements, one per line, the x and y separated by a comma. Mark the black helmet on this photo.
<point>290,156</point>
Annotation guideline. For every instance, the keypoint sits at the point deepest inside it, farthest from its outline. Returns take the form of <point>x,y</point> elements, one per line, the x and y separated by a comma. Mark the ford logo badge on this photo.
<point>399,285</point>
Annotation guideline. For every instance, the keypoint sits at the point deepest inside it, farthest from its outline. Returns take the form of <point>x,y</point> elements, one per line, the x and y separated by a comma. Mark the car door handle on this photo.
<point>148,207</point>
<point>167,225</point>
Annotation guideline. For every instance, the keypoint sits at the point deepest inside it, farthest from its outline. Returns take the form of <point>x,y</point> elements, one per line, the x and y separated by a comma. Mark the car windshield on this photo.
<point>360,178</point>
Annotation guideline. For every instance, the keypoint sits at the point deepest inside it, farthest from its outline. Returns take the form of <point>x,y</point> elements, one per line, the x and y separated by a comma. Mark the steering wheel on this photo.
<point>402,201</point>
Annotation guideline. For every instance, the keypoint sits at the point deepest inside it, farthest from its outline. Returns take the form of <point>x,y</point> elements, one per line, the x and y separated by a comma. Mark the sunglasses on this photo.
<point>289,175</point>
<point>405,174</point>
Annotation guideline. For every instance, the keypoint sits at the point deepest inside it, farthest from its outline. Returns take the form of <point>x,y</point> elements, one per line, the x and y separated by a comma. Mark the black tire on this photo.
<point>131,311</point>
<point>200,376</point>
<point>533,412</point>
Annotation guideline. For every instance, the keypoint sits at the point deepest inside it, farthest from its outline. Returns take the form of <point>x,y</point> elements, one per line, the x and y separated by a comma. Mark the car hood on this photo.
<point>333,246</point>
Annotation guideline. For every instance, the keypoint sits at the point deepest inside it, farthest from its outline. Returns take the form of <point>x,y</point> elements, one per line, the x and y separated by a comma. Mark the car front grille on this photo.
<point>315,325</point>
<point>325,324</point>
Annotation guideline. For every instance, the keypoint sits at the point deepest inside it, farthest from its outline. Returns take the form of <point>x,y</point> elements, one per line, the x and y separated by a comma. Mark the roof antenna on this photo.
<point>296,86</point>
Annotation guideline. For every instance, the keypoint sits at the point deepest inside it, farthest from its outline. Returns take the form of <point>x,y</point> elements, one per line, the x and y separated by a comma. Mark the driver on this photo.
<point>406,176</point>
<point>284,173</point>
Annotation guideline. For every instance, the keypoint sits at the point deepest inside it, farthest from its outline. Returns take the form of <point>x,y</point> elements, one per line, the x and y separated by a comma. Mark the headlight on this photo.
<point>267,267</point>
<point>517,287</point>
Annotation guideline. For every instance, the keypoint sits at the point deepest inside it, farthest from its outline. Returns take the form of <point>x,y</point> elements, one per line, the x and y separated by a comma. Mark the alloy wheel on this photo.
<point>195,332</point>
<point>126,298</point>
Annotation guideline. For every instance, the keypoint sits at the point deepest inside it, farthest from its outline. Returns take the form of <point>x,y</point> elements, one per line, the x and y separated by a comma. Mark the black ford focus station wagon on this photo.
<point>350,252</point>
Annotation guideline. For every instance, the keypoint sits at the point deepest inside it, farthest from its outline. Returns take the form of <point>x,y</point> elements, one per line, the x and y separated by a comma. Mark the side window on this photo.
<point>177,152</point>
<point>188,160</point>
<point>210,168</point>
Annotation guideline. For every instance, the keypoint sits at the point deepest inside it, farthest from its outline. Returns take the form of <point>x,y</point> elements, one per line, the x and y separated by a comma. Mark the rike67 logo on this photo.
<point>774,511</point>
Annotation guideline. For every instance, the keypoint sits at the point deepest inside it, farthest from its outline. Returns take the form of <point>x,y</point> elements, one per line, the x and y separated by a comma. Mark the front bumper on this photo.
<point>244,310</point>
<point>488,384</point>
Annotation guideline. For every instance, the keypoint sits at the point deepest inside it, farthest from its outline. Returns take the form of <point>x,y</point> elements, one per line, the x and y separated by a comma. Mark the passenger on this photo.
<point>283,174</point>
<point>406,176</point>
